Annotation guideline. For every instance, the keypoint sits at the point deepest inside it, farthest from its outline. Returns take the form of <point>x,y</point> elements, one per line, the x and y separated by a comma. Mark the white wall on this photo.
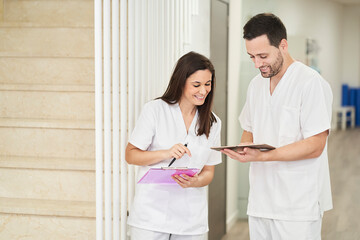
<point>247,72</point>
<point>322,22</point>
<point>233,137</point>
<point>350,63</point>
<point>200,37</point>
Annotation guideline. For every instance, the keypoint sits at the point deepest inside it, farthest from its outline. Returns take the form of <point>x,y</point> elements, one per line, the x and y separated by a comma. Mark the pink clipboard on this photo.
<point>163,175</point>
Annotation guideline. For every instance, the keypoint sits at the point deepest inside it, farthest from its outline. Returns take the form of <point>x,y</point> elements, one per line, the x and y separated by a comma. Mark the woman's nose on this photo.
<point>202,90</point>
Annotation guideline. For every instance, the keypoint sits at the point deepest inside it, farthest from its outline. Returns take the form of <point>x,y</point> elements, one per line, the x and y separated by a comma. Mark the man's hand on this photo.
<point>310,147</point>
<point>247,155</point>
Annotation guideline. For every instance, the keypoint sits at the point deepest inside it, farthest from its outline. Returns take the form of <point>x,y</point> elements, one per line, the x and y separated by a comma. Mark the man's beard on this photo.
<point>274,68</point>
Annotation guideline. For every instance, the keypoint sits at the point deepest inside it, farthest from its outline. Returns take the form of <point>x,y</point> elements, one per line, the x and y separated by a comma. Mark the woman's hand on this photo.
<point>177,151</point>
<point>186,181</point>
<point>136,156</point>
<point>201,179</point>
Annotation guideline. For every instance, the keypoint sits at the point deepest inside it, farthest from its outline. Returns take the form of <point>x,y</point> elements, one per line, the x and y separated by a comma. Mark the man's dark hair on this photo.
<point>268,24</point>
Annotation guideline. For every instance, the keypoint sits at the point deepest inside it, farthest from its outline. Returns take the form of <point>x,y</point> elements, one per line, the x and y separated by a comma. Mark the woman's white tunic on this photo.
<point>171,208</point>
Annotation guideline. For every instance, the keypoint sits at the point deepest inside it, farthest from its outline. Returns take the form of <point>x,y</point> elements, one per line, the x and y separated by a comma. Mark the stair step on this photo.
<point>47,123</point>
<point>40,13</point>
<point>47,105</point>
<point>47,42</point>
<point>47,207</point>
<point>47,88</point>
<point>27,162</point>
<point>64,143</point>
<point>35,227</point>
<point>64,185</point>
<point>58,71</point>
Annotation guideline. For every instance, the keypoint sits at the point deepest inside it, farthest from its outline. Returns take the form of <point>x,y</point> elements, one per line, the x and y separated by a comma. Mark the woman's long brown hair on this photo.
<point>186,66</point>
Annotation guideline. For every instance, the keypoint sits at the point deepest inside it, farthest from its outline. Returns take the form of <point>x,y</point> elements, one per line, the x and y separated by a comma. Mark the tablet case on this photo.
<point>237,148</point>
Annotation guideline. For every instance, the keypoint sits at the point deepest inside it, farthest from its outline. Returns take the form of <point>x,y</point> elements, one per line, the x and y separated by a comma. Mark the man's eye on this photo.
<point>262,57</point>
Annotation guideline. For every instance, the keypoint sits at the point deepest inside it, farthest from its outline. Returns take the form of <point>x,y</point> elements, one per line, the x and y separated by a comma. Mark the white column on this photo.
<point>162,47</point>
<point>132,84</point>
<point>156,56</point>
<point>172,35</point>
<point>195,7</point>
<point>115,119</point>
<point>182,28</point>
<point>124,116</point>
<point>98,118</point>
<point>166,42</point>
<point>138,48</point>
<point>144,40</point>
<point>107,120</point>
<point>177,29</point>
<point>149,49</point>
<point>187,22</point>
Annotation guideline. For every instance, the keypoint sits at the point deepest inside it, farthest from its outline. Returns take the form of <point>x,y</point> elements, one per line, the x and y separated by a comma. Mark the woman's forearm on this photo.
<point>206,176</point>
<point>136,156</point>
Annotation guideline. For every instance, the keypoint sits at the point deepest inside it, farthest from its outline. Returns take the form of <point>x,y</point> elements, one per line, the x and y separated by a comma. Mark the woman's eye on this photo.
<point>196,85</point>
<point>208,84</point>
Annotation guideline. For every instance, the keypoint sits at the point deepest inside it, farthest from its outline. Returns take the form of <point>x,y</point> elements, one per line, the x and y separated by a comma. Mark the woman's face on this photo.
<point>197,87</point>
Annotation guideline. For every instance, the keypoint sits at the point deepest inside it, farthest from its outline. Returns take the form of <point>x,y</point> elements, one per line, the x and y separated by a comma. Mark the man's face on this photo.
<point>268,59</point>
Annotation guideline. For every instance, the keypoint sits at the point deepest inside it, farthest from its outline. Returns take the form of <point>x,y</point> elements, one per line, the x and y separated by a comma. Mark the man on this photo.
<point>288,106</point>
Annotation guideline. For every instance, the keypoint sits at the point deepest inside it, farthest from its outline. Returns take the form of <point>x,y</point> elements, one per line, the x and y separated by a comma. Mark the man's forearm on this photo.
<point>311,147</point>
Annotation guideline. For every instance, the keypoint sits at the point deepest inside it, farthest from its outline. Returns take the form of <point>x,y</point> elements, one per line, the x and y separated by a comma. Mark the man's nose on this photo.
<point>258,62</point>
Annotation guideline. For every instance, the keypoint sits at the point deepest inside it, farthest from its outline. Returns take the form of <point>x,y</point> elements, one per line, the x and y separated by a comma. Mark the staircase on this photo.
<point>47,140</point>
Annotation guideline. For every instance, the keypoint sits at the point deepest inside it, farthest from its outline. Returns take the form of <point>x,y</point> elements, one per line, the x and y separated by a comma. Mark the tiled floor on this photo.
<point>341,223</point>
<point>239,231</point>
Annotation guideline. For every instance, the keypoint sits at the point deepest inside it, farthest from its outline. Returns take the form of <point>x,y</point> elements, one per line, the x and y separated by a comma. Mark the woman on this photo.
<point>182,116</point>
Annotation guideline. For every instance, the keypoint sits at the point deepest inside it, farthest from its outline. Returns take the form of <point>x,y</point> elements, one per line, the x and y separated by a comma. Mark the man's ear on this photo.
<point>283,44</point>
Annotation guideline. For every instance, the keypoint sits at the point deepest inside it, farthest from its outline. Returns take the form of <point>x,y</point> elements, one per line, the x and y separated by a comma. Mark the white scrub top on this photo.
<point>171,208</point>
<point>300,107</point>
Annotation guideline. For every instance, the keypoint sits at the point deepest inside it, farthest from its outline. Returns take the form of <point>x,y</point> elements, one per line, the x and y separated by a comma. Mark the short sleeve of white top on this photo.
<point>170,208</point>
<point>300,107</point>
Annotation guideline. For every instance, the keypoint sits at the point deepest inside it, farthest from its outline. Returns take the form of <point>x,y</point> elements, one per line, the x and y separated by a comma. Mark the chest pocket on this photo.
<point>289,125</point>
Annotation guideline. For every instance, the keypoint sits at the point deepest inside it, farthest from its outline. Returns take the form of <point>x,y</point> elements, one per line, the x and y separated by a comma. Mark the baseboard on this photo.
<point>242,206</point>
<point>230,222</point>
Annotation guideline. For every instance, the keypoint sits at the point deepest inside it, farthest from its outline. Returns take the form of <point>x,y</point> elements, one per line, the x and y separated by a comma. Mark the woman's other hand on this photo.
<point>177,151</point>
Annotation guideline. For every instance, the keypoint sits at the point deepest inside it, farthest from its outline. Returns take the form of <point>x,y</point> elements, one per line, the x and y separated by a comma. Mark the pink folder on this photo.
<point>163,175</point>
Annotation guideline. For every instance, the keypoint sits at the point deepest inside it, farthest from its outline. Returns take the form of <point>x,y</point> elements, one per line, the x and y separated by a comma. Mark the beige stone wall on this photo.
<point>1,10</point>
<point>47,172</point>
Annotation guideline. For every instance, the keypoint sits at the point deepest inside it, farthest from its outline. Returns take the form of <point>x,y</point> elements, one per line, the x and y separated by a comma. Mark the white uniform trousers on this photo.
<point>143,234</point>
<point>270,229</point>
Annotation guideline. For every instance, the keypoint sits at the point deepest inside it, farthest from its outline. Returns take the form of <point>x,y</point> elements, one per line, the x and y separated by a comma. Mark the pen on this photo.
<point>173,160</point>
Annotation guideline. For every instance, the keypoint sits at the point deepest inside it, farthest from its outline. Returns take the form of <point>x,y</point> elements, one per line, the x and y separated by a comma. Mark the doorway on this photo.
<point>219,57</point>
